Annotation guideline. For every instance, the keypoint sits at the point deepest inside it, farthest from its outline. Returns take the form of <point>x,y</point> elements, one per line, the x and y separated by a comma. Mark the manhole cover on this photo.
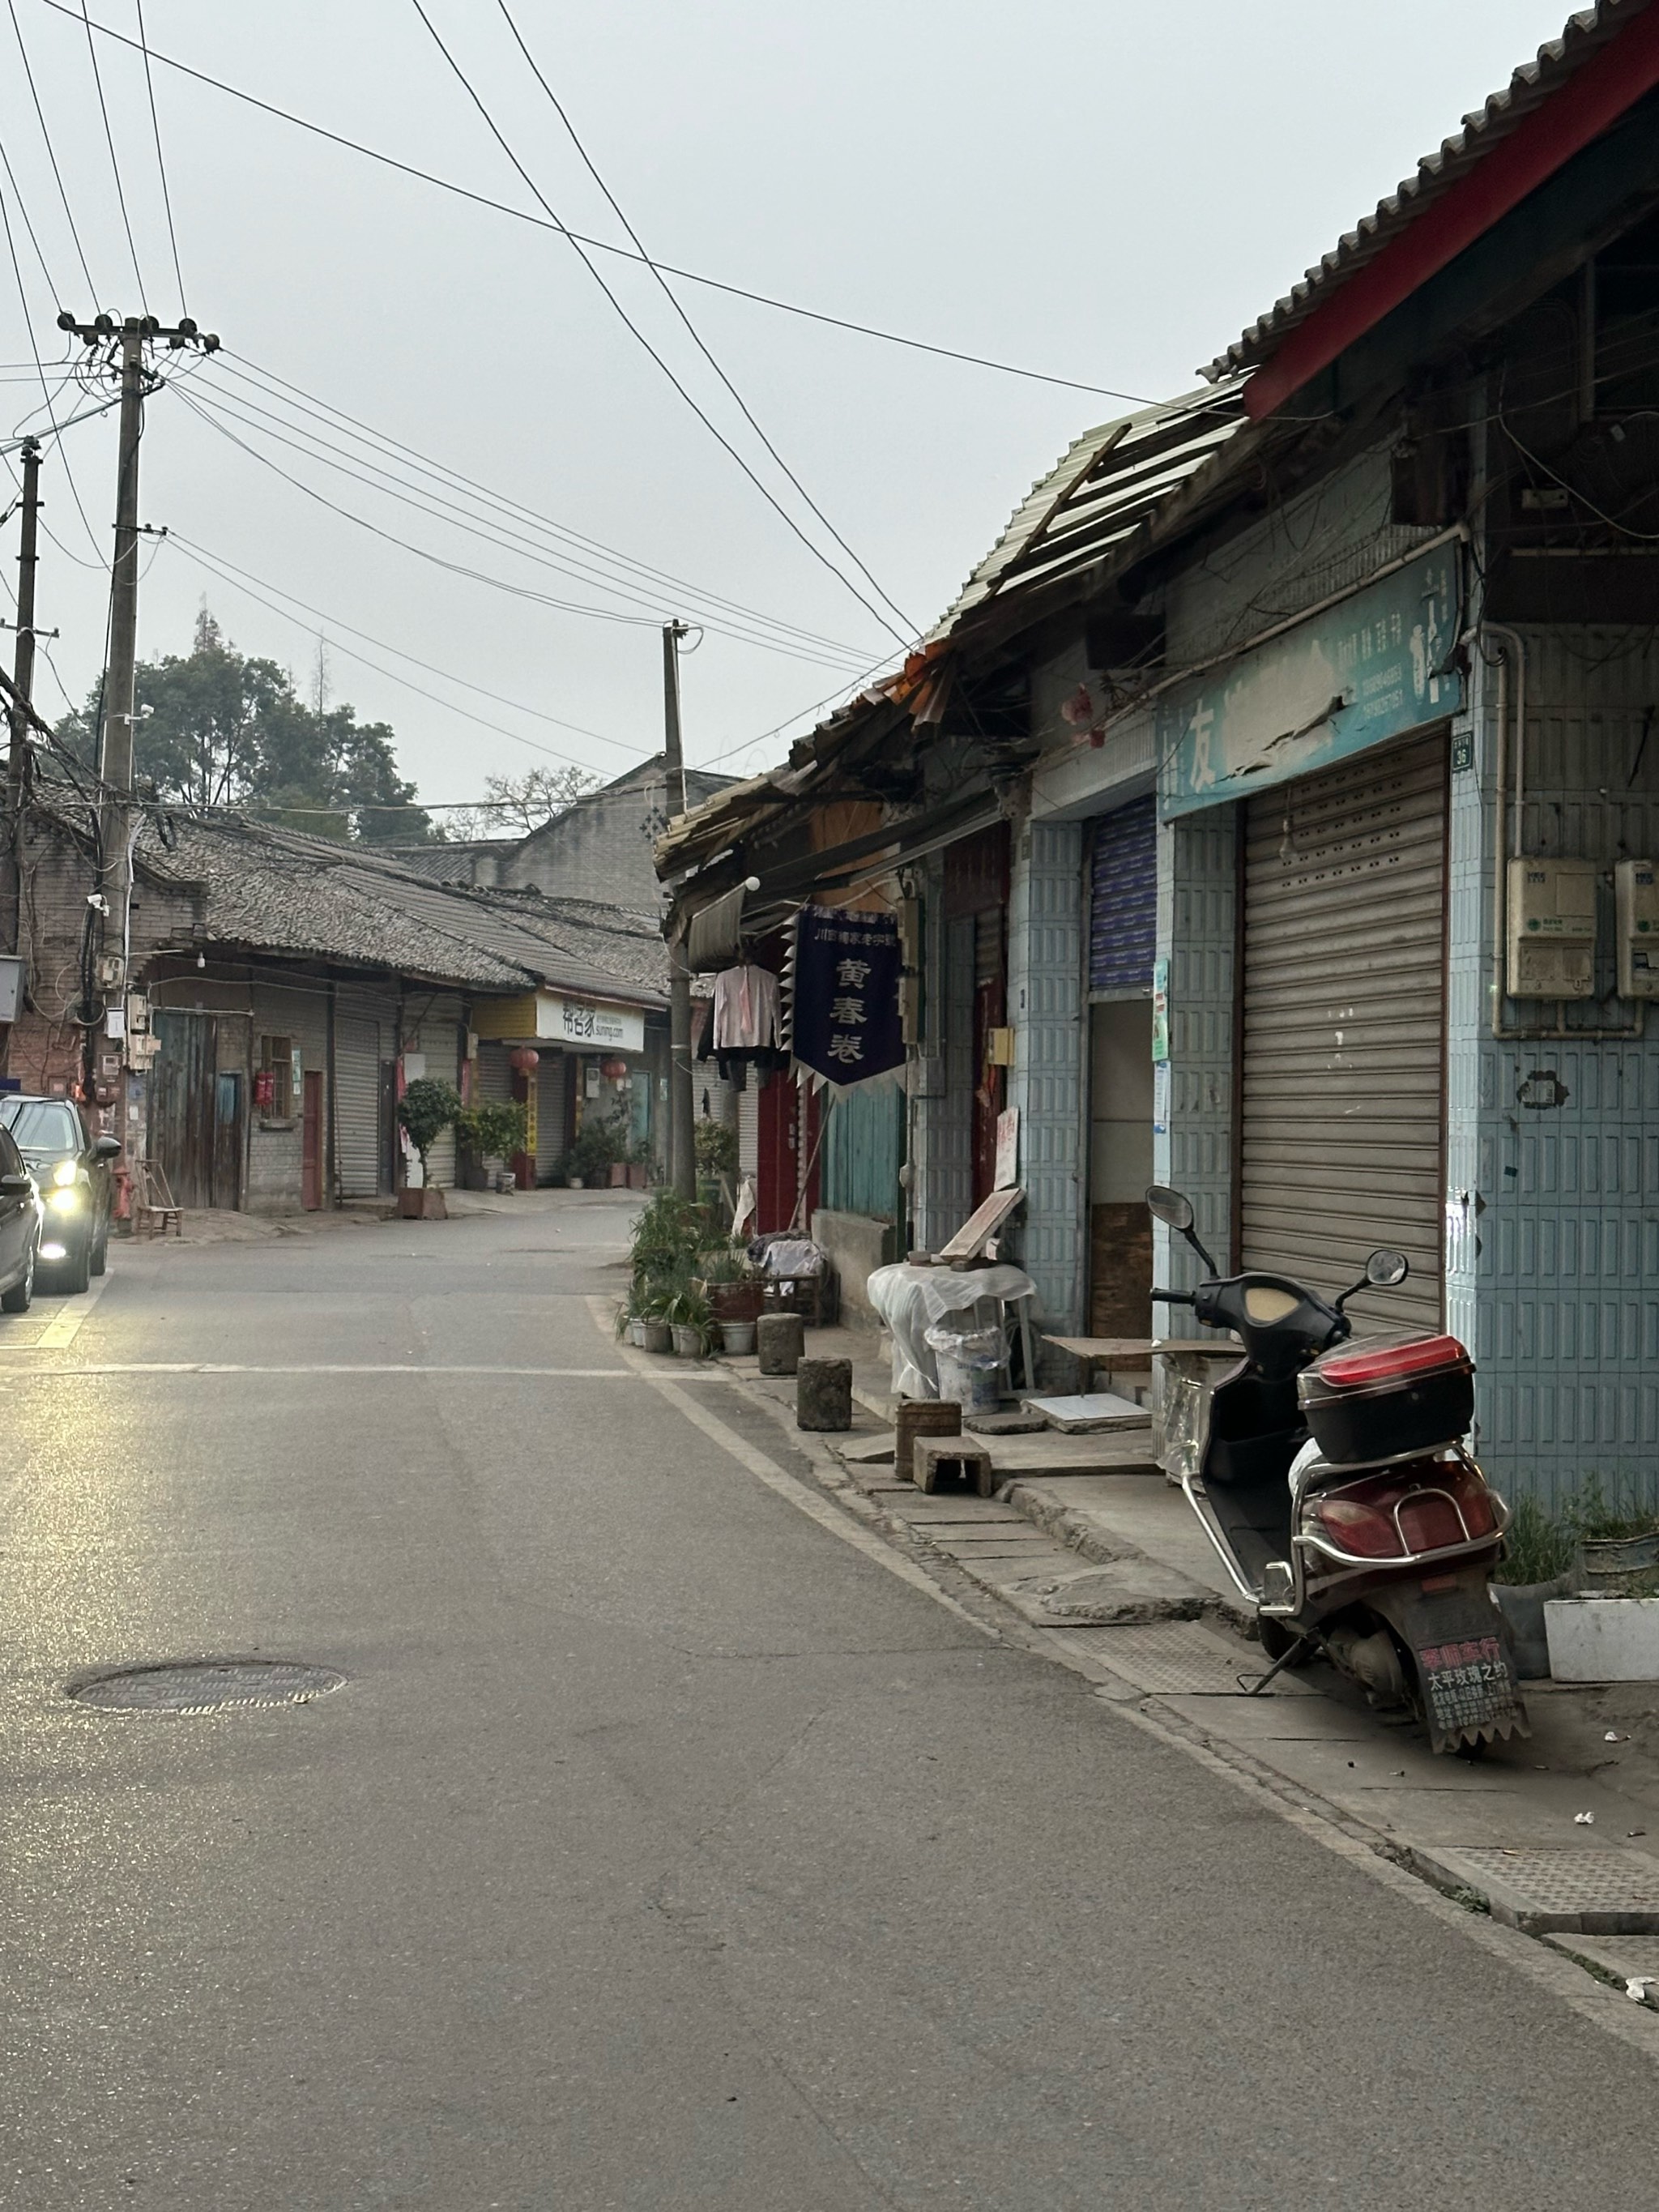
<point>205,1685</point>
<point>1592,1891</point>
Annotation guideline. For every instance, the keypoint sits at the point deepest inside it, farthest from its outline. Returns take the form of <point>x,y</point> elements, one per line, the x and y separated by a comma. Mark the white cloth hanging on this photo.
<point>745,1009</point>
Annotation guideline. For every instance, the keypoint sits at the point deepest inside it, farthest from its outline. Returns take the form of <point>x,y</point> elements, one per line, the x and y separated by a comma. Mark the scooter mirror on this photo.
<point>1170,1207</point>
<point>1385,1268</point>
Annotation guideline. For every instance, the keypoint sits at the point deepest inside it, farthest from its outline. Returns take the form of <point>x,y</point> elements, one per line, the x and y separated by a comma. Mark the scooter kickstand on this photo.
<point>1313,1640</point>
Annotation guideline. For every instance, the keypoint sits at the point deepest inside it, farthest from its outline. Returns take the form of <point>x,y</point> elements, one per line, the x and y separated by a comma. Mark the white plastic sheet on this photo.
<point>913,1300</point>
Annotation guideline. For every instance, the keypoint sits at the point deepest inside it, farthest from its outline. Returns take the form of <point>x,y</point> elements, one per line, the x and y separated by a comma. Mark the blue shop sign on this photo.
<point>1373,668</point>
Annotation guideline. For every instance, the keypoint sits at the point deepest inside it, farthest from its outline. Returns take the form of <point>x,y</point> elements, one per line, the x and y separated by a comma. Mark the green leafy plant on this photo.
<point>601,1145</point>
<point>494,1130</point>
<point>724,1263</point>
<point>426,1109</point>
<point>1542,1545</point>
<point>667,1234</point>
<point>715,1143</point>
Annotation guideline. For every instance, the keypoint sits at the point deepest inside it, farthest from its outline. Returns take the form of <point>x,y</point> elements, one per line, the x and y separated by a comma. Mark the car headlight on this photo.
<point>65,1173</point>
<point>63,1201</point>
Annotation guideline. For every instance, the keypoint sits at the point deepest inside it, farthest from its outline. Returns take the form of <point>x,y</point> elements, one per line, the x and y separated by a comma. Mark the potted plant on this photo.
<point>689,1317</point>
<point>495,1129</point>
<point>426,1109</point>
<point>656,1334</point>
<point>735,1291</point>
<point>640,1161</point>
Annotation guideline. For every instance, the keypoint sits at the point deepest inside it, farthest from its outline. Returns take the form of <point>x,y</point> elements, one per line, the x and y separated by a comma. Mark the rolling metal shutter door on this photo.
<point>550,1112</point>
<point>440,1028</point>
<point>1344,1026</point>
<point>1123,900</point>
<point>358,1035</point>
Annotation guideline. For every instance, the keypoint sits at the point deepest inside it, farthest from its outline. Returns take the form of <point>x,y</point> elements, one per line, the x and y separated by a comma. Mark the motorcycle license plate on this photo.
<point>1467,1683</point>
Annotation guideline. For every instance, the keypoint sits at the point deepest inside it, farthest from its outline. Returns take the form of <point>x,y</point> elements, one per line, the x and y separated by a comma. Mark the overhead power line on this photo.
<point>114,158</point>
<point>210,412</point>
<point>246,577</point>
<point>334,417</point>
<point>392,675</point>
<point>160,163</point>
<point>51,151</point>
<point>642,588</point>
<point>695,336</point>
<point>603,245</point>
<point>634,330</point>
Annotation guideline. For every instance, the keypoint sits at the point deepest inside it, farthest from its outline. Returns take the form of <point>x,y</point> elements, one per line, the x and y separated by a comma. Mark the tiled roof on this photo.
<point>1529,87</point>
<point>277,890</point>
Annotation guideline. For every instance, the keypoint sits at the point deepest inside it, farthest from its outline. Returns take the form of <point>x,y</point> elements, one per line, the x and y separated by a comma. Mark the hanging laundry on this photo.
<point>745,1009</point>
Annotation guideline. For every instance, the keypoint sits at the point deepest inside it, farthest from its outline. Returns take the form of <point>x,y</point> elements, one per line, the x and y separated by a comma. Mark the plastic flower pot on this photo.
<point>636,1333</point>
<point>738,1337</point>
<point>659,1337</point>
<point>688,1340</point>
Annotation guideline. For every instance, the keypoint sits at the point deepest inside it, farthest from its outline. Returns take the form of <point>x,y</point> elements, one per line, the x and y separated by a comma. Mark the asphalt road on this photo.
<point>661,1850</point>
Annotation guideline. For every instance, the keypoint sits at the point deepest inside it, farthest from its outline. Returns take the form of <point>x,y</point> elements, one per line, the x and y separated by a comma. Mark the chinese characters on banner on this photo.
<point>847,1024</point>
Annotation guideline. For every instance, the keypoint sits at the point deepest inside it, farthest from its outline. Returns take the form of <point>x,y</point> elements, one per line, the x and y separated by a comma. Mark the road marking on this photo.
<point>1602,2006</point>
<point>66,1323</point>
<point>767,1470</point>
<point>379,1367</point>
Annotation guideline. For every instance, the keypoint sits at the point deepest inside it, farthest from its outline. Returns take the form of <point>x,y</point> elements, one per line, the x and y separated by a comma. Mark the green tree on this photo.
<point>218,728</point>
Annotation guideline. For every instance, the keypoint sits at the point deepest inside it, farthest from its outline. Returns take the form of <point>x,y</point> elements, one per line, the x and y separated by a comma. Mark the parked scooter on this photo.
<point>1372,1539</point>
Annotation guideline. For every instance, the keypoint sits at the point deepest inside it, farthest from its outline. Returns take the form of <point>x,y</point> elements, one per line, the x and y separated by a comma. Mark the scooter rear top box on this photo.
<point>1379,1396</point>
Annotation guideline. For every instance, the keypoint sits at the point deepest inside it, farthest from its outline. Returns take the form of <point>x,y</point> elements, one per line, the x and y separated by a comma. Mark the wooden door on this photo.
<point>311,1142</point>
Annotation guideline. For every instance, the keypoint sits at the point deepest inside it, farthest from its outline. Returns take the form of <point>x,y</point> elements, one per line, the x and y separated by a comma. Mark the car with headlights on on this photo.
<point>72,1168</point>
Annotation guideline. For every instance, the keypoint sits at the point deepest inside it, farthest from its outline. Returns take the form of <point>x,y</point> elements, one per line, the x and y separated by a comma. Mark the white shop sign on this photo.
<point>579,1022</point>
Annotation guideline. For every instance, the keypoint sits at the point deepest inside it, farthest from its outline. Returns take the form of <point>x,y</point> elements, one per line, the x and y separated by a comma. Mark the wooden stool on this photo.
<point>963,1459</point>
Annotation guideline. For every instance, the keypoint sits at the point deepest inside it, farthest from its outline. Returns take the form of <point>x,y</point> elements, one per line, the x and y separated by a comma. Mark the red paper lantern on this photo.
<point>524,1061</point>
<point>614,1068</point>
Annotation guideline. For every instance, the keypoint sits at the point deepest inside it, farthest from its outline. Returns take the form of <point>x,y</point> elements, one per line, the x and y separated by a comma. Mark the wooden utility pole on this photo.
<point>682,1155</point>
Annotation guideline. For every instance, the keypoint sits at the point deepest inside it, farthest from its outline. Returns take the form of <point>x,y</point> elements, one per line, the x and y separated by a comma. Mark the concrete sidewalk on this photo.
<point>1090,1541</point>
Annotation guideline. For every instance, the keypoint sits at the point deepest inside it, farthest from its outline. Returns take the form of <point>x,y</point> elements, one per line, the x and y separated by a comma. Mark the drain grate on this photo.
<point>1593,1891</point>
<point>1178,1658</point>
<point>205,1685</point>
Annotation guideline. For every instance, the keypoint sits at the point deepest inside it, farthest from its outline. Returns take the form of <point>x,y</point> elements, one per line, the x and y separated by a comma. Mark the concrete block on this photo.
<point>958,1459</point>
<point>824,1394</point>
<point>780,1339</point>
<point>1603,1639</point>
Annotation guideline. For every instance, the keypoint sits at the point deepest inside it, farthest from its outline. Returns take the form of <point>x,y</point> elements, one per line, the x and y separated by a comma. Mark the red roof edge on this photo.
<point>1626,69</point>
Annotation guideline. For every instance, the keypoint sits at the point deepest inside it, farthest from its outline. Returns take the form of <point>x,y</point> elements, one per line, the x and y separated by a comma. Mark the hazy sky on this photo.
<point>1106,193</point>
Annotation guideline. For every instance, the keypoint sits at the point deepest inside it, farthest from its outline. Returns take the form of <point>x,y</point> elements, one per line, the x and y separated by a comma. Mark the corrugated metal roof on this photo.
<point>1527,88</point>
<point>1101,488</point>
<point>1087,508</point>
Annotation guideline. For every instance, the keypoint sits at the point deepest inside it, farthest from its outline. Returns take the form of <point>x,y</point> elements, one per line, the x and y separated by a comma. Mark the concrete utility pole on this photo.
<point>23,666</point>
<point>23,680</point>
<point>682,1156</point>
<point>134,335</point>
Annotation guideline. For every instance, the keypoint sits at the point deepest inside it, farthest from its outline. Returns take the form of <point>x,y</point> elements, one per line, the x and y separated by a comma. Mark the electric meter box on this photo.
<point>1636,905</point>
<point>1552,929</point>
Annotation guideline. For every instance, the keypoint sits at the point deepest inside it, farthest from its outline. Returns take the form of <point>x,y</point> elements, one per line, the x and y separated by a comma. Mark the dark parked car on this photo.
<point>72,1168</point>
<point>21,1222</point>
